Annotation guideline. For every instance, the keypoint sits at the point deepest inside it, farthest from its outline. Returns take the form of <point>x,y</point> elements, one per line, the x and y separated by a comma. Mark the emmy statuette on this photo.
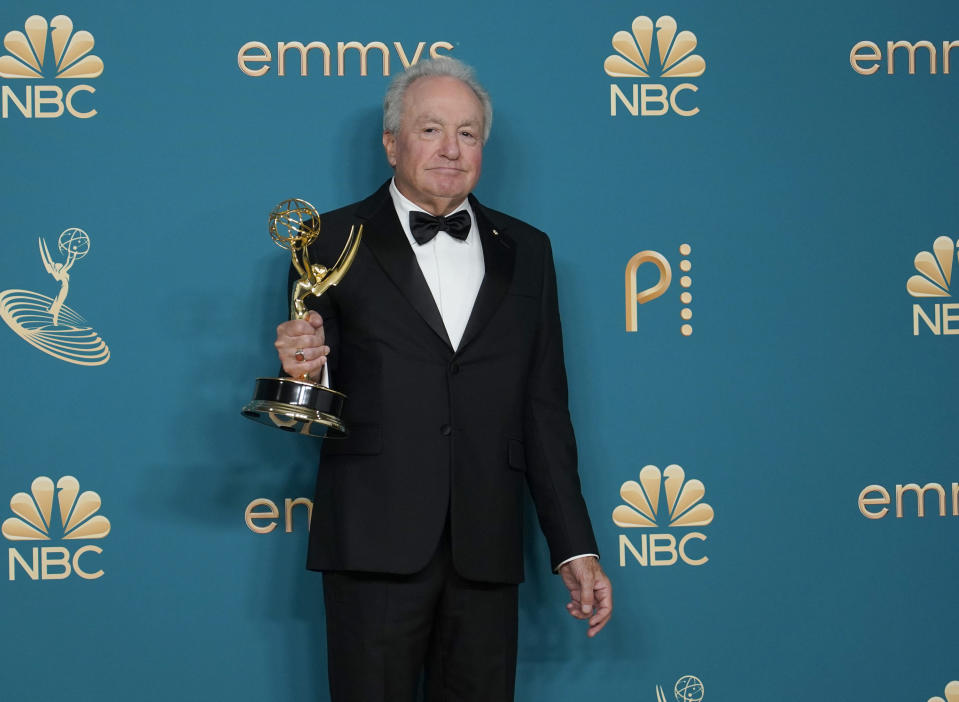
<point>301,404</point>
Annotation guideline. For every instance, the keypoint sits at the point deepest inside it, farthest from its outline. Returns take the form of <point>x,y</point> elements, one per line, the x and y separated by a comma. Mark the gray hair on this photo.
<point>441,66</point>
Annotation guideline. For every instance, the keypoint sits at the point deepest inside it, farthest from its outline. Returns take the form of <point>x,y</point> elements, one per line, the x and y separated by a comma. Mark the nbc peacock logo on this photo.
<point>645,508</point>
<point>933,280</point>
<point>28,51</point>
<point>47,323</point>
<point>45,50</point>
<point>951,692</point>
<point>636,58</point>
<point>35,521</point>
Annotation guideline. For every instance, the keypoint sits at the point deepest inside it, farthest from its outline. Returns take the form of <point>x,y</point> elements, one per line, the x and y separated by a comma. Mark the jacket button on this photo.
<point>446,430</point>
<point>454,368</point>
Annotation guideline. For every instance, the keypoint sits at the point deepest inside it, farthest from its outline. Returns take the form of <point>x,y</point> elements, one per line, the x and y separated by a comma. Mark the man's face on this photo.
<point>438,153</point>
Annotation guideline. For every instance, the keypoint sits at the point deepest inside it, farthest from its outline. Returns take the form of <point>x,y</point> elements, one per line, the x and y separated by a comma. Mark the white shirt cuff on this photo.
<point>573,558</point>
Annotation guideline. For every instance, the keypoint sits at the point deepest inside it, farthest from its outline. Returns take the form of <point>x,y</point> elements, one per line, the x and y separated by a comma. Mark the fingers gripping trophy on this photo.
<point>301,404</point>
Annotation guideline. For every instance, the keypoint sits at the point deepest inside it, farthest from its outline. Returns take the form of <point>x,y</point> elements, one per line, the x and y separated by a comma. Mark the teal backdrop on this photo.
<point>810,386</point>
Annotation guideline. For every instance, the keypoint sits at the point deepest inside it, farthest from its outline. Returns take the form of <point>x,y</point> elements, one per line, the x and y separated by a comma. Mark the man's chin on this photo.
<point>451,188</point>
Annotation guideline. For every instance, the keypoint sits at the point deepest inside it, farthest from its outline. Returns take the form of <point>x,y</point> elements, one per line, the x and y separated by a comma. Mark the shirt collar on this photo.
<point>404,206</point>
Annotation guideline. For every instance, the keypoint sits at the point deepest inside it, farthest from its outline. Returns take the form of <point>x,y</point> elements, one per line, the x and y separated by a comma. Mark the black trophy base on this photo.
<point>298,406</point>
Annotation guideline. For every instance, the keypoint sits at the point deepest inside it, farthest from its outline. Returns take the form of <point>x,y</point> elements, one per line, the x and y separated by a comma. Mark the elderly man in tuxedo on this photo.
<point>445,336</point>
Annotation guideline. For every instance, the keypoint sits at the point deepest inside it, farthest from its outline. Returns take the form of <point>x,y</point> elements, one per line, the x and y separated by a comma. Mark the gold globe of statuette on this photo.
<point>294,223</point>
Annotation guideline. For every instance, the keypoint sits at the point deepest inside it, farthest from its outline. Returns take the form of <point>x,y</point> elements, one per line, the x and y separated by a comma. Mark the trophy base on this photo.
<point>297,406</point>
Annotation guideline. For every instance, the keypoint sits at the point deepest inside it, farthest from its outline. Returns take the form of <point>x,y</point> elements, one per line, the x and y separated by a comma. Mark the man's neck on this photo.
<point>439,207</point>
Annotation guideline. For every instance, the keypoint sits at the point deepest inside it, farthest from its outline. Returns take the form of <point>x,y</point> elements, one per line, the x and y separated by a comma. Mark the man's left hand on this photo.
<point>590,592</point>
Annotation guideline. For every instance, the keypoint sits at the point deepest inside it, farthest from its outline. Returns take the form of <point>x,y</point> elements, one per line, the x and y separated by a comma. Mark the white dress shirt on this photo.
<point>453,269</point>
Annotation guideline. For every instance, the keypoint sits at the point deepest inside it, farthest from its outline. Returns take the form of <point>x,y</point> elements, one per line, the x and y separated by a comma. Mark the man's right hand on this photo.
<point>305,336</point>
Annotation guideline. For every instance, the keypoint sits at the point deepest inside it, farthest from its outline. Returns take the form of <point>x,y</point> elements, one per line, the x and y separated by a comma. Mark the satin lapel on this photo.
<point>499,257</point>
<point>384,236</point>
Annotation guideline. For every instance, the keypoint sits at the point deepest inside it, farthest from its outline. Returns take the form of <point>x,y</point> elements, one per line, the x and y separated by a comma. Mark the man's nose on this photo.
<point>450,148</point>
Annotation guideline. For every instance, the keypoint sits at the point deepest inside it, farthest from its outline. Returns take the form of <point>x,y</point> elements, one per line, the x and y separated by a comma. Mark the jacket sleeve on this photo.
<point>552,473</point>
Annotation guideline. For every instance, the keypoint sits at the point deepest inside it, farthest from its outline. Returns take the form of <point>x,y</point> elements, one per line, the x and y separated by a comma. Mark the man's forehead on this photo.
<point>425,92</point>
<point>431,116</point>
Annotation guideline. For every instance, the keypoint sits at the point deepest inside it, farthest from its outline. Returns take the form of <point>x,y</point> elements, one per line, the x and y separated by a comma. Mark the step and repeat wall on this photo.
<point>754,216</point>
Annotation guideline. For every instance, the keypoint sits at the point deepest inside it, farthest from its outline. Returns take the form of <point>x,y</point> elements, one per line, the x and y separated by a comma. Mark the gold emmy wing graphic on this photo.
<point>47,322</point>
<point>935,268</point>
<point>78,512</point>
<point>634,51</point>
<point>303,405</point>
<point>684,505</point>
<point>71,51</point>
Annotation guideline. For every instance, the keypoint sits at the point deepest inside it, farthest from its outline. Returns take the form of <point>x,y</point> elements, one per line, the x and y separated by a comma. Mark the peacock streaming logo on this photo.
<point>46,322</point>
<point>35,521</point>
<point>637,58</point>
<point>636,297</point>
<point>662,499</point>
<point>933,282</point>
<point>42,51</point>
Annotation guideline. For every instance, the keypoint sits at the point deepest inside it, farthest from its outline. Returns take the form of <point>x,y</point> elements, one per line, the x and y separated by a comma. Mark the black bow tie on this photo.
<point>424,226</point>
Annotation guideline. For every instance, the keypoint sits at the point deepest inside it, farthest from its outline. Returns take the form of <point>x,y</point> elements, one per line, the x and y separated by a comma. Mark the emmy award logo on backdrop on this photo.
<point>303,405</point>
<point>47,322</point>
<point>688,688</point>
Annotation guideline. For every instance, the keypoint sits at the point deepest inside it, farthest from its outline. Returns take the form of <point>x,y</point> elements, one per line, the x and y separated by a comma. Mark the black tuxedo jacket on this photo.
<point>437,433</point>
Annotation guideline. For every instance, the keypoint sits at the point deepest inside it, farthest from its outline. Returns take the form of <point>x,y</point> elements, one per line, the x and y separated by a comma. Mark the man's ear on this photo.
<point>389,144</point>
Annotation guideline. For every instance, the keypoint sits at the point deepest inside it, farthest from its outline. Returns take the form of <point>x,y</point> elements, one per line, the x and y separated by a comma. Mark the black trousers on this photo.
<point>385,631</point>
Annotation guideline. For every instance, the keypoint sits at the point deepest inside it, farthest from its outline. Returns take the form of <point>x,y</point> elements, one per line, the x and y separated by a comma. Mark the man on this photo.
<point>445,337</point>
